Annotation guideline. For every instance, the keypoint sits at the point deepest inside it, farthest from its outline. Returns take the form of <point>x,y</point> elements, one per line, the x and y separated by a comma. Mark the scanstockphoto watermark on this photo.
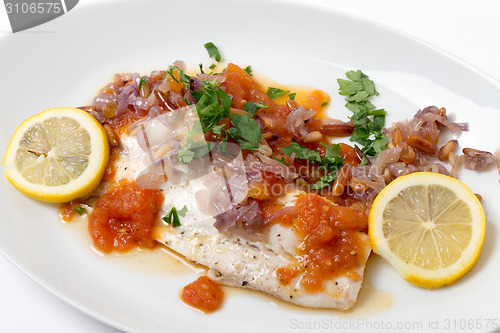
<point>368,325</point>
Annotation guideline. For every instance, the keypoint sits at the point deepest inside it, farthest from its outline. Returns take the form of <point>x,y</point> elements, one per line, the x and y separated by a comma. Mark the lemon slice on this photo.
<point>429,227</point>
<point>57,155</point>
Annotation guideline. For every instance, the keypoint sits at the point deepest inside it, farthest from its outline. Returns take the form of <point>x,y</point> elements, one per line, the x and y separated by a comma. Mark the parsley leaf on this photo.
<point>213,52</point>
<point>331,161</point>
<point>331,158</point>
<point>184,78</point>
<point>183,211</point>
<point>292,96</point>
<point>324,181</point>
<point>302,152</point>
<point>275,92</point>
<point>282,160</point>
<point>185,154</point>
<point>172,217</point>
<point>213,104</point>
<point>248,69</point>
<point>368,121</point>
<point>252,107</point>
<point>246,131</point>
<point>190,150</point>
<point>80,210</point>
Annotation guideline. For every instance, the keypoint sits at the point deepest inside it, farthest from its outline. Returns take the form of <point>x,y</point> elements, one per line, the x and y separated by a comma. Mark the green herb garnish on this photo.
<point>213,52</point>
<point>367,120</point>
<point>292,96</point>
<point>275,92</point>
<point>213,104</point>
<point>246,131</point>
<point>142,81</point>
<point>325,103</point>
<point>185,79</point>
<point>282,160</point>
<point>80,210</point>
<point>302,152</point>
<point>252,106</point>
<point>330,161</point>
<point>248,69</point>
<point>324,181</point>
<point>172,217</point>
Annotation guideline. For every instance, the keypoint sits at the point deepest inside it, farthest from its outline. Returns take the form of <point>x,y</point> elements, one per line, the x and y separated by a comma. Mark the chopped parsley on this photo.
<point>246,131</point>
<point>172,217</point>
<point>142,81</point>
<point>330,161</point>
<point>192,149</point>
<point>325,103</point>
<point>213,52</point>
<point>184,78</point>
<point>80,210</point>
<point>248,69</point>
<point>302,152</point>
<point>292,96</point>
<point>282,160</point>
<point>275,92</point>
<point>367,120</point>
<point>252,106</point>
<point>213,104</point>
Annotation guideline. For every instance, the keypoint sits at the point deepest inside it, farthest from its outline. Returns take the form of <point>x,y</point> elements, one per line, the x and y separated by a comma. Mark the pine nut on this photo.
<point>267,135</point>
<point>358,185</point>
<point>341,181</point>
<point>421,144</point>
<point>144,92</point>
<point>265,150</point>
<point>338,130</point>
<point>237,111</point>
<point>471,152</point>
<point>449,147</point>
<point>313,137</point>
<point>397,137</point>
<point>268,122</point>
<point>162,150</point>
<point>113,139</point>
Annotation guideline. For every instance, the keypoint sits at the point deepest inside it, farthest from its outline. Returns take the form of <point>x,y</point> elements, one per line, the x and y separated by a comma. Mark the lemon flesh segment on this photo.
<point>430,227</point>
<point>57,155</point>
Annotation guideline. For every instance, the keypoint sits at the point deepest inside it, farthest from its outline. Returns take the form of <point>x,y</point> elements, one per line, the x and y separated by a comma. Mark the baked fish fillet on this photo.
<point>234,260</point>
<point>231,258</point>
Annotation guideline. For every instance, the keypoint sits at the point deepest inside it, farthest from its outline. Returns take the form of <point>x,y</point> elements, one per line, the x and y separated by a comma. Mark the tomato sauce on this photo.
<point>67,210</point>
<point>331,243</point>
<point>123,218</point>
<point>203,294</point>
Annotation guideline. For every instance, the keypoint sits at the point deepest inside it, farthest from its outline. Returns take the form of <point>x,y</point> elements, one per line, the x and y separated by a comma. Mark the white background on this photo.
<point>467,29</point>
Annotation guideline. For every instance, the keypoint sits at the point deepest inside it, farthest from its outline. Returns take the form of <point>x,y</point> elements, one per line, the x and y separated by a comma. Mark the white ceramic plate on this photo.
<point>66,61</point>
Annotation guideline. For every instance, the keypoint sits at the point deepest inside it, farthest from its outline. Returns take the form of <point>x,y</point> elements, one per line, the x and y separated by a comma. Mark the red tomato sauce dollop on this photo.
<point>203,294</point>
<point>123,217</point>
